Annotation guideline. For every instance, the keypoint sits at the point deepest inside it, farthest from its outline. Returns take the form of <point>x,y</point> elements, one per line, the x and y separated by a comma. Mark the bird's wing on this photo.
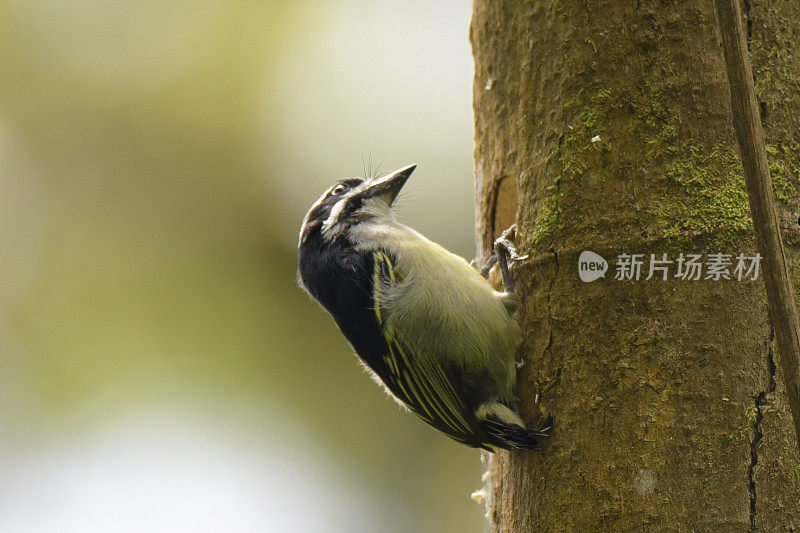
<point>419,382</point>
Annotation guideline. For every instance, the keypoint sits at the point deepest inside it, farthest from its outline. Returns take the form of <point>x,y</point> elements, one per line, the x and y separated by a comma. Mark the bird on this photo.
<point>426,324</point>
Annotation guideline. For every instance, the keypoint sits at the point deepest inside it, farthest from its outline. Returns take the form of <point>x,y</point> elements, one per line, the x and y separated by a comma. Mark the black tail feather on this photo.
<point>513,437</point>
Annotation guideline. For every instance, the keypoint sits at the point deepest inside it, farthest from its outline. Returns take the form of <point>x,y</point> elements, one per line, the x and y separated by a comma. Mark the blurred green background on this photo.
<point>159,368</point>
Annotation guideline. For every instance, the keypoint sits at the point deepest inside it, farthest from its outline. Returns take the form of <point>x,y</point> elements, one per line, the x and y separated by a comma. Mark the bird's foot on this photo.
<point>504,253</point>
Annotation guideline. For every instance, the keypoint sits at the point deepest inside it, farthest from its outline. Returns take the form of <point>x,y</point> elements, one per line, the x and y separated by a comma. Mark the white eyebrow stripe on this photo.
<point>311,210</point>
<point>333,218</point>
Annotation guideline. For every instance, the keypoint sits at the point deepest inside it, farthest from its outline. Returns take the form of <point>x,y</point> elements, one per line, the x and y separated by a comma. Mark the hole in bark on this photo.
<point>505,207</point>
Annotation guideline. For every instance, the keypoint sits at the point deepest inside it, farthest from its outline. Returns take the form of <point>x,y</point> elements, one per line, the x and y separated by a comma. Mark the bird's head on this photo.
<point>351,201</point>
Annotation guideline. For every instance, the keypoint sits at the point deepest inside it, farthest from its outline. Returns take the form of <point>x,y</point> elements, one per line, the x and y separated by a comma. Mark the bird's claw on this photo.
<point>505,243</point>
<point>505,252</point>
<point>487,267</point>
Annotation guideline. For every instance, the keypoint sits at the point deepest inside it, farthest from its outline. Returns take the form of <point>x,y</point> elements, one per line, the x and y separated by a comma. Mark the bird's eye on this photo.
<point>339,189</point>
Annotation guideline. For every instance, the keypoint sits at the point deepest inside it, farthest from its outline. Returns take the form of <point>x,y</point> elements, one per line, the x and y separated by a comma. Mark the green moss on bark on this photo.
<point>784,169</point>
<point>589,108</point>
<point>710,196</point>
<point>713,196</point>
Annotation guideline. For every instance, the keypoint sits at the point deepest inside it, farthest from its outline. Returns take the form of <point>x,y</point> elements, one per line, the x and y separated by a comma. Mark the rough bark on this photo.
<point>606,126</point>
<point>746,112</point>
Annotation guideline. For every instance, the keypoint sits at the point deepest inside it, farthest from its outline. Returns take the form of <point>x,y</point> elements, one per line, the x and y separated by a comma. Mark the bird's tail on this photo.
<point>505,429</point>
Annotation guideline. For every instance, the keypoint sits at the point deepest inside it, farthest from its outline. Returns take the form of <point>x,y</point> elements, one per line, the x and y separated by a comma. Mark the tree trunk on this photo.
<point>606,126</point>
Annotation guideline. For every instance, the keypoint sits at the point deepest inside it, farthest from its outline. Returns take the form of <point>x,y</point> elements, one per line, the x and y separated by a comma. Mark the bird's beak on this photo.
<point>388,187</point>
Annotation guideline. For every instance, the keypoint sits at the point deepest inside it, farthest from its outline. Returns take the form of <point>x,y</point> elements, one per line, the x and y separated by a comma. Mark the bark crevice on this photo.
<point>551,319</point>
<point>758,431</point>
<point>748,22</point>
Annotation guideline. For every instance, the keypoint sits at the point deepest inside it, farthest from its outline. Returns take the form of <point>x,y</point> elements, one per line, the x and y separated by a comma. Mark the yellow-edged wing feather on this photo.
<point>419,382</point>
